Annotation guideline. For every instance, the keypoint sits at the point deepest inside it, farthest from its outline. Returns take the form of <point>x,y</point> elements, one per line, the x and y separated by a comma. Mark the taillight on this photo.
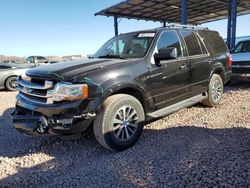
<point>230,61</point>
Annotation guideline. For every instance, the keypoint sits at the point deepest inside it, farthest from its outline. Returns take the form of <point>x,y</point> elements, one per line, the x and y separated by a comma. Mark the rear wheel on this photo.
<point>215,91</point>
<point>119,123</point>
<point>11,83</point>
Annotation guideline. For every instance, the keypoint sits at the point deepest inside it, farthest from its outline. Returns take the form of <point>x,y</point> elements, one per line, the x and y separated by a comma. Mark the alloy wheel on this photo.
<point>125,123</point>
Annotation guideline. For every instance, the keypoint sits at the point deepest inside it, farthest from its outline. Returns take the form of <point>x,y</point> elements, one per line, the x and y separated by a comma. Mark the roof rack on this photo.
<point>186,26</point>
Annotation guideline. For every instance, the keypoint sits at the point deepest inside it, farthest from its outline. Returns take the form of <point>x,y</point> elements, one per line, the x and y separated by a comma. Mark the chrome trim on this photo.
<point>26,98</point>
<point>48,85</point>
<point>34,95</point>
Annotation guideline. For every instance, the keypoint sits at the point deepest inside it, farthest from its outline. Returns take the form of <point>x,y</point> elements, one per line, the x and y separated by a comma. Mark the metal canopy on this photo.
<point>198,11</point>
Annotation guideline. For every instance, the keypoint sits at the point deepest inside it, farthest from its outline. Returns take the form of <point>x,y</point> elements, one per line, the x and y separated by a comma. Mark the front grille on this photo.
<point>35,89</point>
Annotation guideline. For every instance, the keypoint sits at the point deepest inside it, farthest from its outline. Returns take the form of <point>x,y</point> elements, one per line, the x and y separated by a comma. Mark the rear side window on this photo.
<point>193,45</point>
<point>216,42</point>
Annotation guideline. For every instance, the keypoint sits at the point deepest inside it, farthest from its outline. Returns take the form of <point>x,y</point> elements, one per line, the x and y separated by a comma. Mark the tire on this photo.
<point>11,83</point>
<point>111,129</point>
<point>215,91</point>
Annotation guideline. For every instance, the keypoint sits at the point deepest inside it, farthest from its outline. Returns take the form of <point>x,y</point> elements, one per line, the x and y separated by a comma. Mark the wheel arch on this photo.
<point>130,89</point>
<point>220,71</point>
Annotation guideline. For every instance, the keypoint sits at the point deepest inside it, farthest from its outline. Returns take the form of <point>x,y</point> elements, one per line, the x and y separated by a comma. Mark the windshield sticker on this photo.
<point>146,35</point>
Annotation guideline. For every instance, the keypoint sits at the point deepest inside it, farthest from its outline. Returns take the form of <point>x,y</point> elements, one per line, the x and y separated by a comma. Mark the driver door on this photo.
<point>170,82</point>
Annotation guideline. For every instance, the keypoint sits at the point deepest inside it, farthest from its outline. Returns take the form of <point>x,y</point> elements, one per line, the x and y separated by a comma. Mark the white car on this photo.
<point>9,73</point>
<point>241,58</point>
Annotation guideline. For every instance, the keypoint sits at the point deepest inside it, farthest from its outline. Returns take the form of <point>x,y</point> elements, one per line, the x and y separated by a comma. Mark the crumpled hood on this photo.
<point>67,70</point>
<point>241,56</point>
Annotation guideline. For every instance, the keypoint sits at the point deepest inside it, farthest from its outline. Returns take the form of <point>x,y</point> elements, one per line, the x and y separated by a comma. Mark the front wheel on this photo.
<point>215,91</point>
<point>119,123</point>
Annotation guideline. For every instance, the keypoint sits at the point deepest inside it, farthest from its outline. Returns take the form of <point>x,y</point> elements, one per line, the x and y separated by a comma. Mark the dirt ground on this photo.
<point>195,147</point>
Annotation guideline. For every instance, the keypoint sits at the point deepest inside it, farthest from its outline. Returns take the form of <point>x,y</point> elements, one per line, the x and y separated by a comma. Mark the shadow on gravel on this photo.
<point>183,156</point>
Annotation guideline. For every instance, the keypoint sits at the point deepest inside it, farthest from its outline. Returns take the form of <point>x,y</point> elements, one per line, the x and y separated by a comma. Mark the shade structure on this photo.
<point>197,12</point>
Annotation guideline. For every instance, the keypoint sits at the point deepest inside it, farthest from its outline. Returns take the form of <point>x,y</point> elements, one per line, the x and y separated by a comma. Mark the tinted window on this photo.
<point>169,39</point>
<point>41,58</point>
<point>192,43</point>
<point>242,47</point>
<point>216,42</point>
<point>30,59</point>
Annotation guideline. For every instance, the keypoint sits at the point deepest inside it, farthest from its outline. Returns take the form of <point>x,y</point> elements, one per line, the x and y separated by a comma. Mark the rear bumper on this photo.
<point>58,119</point>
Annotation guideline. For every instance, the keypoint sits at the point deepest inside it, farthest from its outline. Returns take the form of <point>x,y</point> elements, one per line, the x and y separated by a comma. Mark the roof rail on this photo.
<point>186,26</point>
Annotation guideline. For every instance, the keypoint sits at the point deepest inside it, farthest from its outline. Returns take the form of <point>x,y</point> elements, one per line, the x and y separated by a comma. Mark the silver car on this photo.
<point>241,58</point>
<point>9,73</point>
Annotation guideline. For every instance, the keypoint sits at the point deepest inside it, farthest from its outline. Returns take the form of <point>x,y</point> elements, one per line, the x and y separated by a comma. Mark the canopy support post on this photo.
<point>164,24</point>
<point>229,26</point>
<point>234,22</point>
<point>184,12</point>
<point>116,25</point>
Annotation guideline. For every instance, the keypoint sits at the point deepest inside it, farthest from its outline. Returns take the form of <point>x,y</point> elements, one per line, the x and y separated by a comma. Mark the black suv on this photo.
<point>133,78</point>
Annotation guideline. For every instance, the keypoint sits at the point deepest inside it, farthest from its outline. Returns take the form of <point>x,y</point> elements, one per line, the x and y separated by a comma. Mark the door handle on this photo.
<point>183,67</point>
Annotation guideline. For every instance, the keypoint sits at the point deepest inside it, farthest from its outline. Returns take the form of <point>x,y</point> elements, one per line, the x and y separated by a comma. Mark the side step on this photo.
<point>175,107</point>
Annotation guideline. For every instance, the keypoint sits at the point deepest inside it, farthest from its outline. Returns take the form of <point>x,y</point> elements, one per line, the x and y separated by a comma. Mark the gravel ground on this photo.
<point>195,147</point>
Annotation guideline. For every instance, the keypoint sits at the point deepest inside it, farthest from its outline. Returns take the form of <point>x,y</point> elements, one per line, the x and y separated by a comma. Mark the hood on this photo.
<point>241,56</point>
<point>67,70</point>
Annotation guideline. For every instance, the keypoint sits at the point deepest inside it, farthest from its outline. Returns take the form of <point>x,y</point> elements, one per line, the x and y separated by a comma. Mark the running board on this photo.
<point>175,107</point>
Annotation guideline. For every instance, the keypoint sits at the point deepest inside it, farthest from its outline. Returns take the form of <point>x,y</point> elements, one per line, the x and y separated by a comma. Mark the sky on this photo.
<point>63,27</point>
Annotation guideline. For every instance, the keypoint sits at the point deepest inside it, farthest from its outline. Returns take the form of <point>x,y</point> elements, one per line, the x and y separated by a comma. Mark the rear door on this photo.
<point>170,81</point>
<point>200,61</point>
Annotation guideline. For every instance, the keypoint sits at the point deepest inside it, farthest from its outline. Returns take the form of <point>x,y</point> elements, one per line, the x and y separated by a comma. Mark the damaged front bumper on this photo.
<point>57,119</point>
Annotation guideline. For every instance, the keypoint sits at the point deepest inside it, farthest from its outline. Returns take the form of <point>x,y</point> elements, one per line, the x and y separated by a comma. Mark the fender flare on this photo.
<point>147,99</point>
<point>218,69</point>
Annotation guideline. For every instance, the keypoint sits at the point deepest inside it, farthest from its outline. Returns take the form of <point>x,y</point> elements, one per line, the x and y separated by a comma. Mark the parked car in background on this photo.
<point>241,58</point>
<point>39,60</point>
<point>9,73</point>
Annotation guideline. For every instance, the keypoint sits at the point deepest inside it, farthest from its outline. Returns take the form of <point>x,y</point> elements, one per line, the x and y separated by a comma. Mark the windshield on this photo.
<point>132,45</point>
<point>242,47</point>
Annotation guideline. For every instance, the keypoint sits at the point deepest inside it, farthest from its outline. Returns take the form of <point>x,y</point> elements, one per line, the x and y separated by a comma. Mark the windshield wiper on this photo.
<point>111,56</point>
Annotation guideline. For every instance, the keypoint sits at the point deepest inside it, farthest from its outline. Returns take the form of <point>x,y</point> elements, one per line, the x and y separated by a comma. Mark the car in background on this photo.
<point>241,58</point>
<point>39,60</point>
<point>9,73</point>
<point>11,61</point>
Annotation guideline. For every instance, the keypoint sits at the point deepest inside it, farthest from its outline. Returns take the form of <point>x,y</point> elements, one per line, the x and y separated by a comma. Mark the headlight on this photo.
<point>67,91</point>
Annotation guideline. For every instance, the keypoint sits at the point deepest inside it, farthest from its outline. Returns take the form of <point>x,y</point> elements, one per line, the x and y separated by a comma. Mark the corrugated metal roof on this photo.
<point>198,11</point>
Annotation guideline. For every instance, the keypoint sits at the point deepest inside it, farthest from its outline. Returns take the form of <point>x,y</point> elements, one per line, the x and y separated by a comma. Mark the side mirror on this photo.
<point>165,54</point>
